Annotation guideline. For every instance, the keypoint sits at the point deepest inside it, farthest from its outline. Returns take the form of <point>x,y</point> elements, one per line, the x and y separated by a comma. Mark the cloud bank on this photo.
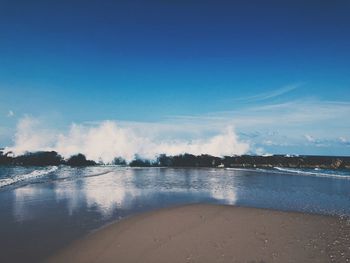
<point>108,139</point>
<point>300,123</point>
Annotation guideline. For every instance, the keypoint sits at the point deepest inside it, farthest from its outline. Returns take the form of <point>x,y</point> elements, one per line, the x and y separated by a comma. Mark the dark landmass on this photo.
<point>185,160</point>
<point>79,160</point>
<point>43,159</point>
<point>248,161</point>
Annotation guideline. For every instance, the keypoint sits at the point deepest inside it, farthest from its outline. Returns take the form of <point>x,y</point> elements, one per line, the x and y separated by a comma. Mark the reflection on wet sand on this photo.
<point>25,197</point>
<point>71,202</point>
<point>122,188</point>
<point>118,189</point>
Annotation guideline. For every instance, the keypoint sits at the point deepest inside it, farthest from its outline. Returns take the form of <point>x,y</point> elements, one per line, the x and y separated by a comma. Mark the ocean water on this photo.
<point>44,209</point>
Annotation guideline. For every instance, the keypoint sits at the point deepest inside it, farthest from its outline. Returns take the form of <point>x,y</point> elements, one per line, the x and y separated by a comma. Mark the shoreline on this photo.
<point>46,158</point>
<point>237,167</point>
<point>215,233</point>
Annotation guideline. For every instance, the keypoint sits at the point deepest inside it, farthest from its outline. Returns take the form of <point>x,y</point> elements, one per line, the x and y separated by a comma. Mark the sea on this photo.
<point>44,209</point>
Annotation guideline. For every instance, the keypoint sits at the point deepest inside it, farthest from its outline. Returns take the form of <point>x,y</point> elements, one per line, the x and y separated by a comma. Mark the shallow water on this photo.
<point>43,209</point>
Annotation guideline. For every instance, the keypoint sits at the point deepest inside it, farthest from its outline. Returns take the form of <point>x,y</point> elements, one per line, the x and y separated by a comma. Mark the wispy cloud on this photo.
<point>10,114</point>
<point>284,124</point>
<point>268,95</point>
<point>310,138</point>
<point>290,113</point>
<point>327,141</point>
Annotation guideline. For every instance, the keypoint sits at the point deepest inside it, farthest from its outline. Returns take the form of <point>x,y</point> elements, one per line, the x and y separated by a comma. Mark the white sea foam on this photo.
<point>109,139</point>
<point>26,177</point>
<point>319,173</point>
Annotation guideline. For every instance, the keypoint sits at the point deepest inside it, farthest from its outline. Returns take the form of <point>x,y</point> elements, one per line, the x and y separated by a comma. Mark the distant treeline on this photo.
<point>185,160</point>
<point>247,161</point>
<point>43,159</point>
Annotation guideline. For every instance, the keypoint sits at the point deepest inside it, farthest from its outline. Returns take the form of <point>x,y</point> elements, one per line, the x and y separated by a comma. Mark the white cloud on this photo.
<point>343,140</point>
<point>10,114</point>
<point>310,138</point>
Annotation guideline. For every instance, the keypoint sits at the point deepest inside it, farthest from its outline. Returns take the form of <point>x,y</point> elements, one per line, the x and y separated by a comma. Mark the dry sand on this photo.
<point>215,233</point>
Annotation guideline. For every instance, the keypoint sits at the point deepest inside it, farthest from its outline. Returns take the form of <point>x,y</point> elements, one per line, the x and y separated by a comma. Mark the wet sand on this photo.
<point>215,233</point>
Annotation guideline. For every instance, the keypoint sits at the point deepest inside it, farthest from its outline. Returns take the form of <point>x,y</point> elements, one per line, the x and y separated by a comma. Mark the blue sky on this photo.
<point>251,64</point>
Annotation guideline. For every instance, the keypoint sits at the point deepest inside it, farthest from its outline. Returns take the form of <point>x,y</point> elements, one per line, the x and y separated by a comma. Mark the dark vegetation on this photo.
<point>185,160</point>
<point>79,160</point>
<point>252,161</point>
<point>141,163</point>
<point>43,159</point>
<point>119,161</point>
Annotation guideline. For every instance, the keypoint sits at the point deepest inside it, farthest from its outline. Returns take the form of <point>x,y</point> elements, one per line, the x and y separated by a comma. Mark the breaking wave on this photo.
<point>28,176</point>
<point>307,172</point>
<point>109,139</point>
<point>316,172</point>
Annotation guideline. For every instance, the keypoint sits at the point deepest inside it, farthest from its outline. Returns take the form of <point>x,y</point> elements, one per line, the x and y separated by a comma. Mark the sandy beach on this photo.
<point>215,233</point>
